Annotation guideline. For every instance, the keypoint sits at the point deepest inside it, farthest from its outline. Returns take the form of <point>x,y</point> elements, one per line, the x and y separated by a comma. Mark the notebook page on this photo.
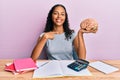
<point>69,72</point>
<point>49,69</point>
<point>103,67</point>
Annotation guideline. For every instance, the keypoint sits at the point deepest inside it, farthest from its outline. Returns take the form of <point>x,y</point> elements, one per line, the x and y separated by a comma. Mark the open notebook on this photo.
<point>57,68</point>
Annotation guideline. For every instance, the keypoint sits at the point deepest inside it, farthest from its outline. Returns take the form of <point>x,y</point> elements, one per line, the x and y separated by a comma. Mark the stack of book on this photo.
<point>21,65</point>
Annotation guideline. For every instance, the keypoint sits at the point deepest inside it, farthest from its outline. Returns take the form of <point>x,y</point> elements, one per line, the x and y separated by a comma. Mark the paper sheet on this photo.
<point>103,67</point>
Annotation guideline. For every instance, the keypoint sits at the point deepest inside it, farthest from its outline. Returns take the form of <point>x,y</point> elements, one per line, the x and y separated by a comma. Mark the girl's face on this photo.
<point>58,16</point>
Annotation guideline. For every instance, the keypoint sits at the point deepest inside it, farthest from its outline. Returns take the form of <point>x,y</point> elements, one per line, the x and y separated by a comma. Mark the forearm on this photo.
<point>38,48</point>
<point>81,48</point>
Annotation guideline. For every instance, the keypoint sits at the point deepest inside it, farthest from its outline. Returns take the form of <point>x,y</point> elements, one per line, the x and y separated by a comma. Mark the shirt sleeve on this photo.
<point>42,34</point>
<point>74,34</point>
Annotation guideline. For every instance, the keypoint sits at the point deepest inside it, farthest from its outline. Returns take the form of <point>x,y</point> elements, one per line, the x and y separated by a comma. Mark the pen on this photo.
<point>43,64</point>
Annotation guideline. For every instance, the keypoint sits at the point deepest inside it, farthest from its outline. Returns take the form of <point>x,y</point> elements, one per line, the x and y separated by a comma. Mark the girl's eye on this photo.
<point>63,14</point>
<point>54,13</point>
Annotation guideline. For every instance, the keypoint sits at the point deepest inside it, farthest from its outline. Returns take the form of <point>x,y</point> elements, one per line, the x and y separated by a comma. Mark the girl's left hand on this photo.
<point>85,31</point>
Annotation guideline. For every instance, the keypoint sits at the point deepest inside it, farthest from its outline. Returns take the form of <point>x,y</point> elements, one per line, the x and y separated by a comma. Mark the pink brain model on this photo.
<point>89,24</point>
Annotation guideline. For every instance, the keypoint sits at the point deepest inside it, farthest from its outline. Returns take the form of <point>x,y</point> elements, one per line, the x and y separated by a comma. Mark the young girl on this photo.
<point>58,40</point>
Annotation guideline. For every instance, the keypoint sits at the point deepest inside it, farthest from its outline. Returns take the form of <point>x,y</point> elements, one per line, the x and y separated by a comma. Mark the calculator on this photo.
<point>78,65</point>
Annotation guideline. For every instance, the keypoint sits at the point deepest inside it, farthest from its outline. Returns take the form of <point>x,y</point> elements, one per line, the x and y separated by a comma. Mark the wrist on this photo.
<point>80,32</point>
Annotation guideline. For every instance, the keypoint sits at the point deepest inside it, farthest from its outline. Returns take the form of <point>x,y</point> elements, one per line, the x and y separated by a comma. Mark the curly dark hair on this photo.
<point>49,23</point>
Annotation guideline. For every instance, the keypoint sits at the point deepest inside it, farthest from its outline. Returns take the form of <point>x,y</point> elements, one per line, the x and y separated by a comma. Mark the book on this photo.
<point>10,67</point>
<point>25,64</point>
<point>55,68</point>
<point>103,67</point>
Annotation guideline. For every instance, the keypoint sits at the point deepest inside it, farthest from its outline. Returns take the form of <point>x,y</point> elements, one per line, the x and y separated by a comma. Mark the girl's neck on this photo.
<point>58,29</point>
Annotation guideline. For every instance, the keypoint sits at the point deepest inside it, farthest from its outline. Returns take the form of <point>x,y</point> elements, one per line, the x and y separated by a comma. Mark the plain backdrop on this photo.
<point>22,21</point>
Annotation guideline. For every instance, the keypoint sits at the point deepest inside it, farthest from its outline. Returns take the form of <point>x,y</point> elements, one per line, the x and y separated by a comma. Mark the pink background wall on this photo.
<point>22,21</point>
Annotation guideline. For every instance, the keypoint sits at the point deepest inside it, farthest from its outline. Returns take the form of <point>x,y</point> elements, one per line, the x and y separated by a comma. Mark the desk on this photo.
<point>96,75</point>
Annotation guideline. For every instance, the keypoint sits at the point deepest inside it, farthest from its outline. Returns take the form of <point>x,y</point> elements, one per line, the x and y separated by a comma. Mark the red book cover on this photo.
<point>25,64</point>
<point>11,68</point>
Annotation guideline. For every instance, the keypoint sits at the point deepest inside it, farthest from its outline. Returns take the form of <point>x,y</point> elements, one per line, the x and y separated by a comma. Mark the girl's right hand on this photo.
<point>50,35</point>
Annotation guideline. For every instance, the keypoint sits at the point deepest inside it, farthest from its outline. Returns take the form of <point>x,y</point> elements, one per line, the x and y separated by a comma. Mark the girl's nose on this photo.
<point>59,15</point>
